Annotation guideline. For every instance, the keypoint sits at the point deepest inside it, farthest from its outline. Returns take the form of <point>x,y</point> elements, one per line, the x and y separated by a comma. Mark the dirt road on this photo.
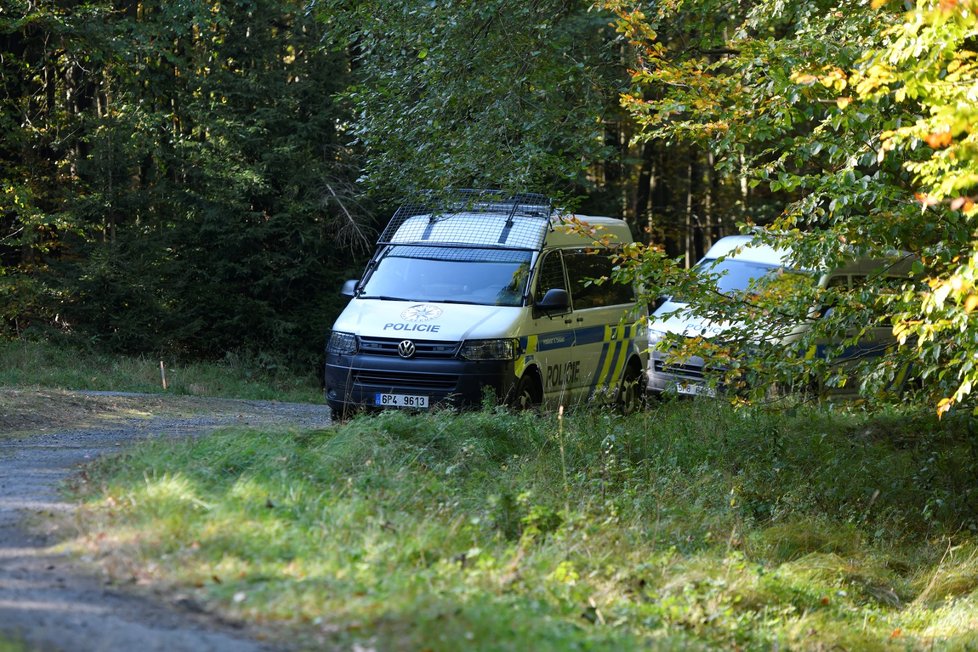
<point>50,601</point>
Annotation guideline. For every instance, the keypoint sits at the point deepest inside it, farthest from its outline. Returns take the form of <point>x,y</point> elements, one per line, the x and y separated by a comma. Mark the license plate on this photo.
<point>401,400</point>
<point>691,389</point>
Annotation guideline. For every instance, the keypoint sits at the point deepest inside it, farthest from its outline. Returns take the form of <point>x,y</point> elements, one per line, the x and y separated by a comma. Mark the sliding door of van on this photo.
<point>602,321</point>
<point>552,344</point>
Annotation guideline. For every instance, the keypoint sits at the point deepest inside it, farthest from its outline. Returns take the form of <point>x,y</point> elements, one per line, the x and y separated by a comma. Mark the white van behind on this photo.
<point>488,295</point>
<point>740,264</point>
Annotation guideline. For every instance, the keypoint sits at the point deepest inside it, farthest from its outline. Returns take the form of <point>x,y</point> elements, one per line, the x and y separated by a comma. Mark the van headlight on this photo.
<point>503,349</point>
<point>341,343</point>
<point>655,337</point>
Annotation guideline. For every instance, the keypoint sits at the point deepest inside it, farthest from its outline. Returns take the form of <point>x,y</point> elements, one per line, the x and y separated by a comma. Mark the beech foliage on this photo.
<point>857,119</point>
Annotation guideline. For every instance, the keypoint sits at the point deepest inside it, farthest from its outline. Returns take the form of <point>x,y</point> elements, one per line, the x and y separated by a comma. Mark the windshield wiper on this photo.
<point>384,297</point>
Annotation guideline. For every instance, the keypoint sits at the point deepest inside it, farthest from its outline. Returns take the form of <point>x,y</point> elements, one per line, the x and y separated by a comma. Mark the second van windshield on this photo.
<point>489,277</point>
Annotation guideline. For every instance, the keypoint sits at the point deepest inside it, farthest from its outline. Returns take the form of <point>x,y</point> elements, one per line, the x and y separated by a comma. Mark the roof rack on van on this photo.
<point>429,219</point>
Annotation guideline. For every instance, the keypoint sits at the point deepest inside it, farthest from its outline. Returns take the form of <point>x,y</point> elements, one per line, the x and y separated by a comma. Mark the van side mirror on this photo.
<point>554,301</point>
<point>349,288</point>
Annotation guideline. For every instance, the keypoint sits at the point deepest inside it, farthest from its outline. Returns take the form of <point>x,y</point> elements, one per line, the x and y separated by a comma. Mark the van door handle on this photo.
<point>580,319</point>
<point>567,321</point>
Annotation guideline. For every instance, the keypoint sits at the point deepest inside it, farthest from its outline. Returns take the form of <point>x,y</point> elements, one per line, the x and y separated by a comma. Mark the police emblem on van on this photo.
<point>421,312</point>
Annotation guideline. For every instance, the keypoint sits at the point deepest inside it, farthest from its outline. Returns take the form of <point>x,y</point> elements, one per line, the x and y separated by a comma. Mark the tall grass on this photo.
<point>692,525</point>
<point>40,364</point>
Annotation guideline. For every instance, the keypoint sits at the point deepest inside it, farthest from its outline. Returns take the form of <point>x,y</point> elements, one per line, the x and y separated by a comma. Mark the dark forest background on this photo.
<point>198,177</point>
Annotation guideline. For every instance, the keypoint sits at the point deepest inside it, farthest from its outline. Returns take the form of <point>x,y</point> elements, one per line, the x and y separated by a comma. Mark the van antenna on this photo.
<point>512,213</point>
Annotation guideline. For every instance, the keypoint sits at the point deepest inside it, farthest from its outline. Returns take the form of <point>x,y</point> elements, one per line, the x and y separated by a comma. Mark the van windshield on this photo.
<point>735,275</point>
<point>487,277</point>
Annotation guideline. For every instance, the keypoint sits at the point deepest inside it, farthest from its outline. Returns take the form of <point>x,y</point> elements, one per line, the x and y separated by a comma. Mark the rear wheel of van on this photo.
<point>528,392</point>
<point>631,393</point>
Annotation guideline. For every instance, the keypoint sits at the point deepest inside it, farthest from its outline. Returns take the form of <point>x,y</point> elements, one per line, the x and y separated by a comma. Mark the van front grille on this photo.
<point>397,381</point>
<point>679,369</point>
<point>425,349</point>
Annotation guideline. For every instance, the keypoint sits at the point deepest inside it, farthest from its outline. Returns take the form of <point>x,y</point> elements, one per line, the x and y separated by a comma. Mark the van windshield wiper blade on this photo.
<point>384,297</point>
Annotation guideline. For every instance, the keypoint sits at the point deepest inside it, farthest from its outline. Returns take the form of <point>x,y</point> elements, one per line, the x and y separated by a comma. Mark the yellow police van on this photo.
<point>486,294</point>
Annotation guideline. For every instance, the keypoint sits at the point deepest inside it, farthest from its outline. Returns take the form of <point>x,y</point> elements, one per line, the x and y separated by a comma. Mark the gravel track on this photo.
<point>48,600</point>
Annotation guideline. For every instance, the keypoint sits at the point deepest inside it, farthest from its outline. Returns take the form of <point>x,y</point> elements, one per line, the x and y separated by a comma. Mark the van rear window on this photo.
<point>490,277</point>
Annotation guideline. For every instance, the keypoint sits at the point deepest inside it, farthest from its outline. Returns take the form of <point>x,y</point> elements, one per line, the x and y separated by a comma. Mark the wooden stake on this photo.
<point>163,375</point>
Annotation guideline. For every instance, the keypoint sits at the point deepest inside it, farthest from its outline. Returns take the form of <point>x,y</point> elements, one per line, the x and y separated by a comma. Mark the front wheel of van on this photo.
<point>527,394</point>
<point>631,393</point>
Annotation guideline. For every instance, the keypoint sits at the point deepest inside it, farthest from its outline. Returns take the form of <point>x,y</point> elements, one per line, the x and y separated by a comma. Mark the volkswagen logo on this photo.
<point>406,349</point>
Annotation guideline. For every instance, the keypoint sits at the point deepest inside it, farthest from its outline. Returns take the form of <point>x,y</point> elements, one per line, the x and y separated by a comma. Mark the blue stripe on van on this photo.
<point>598,367</point>
<point>614,352</point>
<point>555,340</point>
<point>591,335</point>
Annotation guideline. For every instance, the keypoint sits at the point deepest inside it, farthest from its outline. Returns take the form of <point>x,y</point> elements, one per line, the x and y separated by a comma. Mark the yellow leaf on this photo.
<point>971,303</point>
<point>843,102</point>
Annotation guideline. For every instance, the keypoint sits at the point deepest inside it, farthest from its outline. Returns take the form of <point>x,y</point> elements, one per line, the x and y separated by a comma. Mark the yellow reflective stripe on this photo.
<point>619,338</point>
<point>531,348</point>
<point>609,358</point>
<point>620,363</point>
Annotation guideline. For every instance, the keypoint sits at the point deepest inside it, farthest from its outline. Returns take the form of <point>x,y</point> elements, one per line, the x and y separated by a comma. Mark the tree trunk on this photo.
<point>643,192</point>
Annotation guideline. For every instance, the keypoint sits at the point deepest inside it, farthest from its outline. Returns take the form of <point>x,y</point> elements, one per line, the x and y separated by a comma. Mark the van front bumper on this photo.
<point>355,381</point>
<point>670,376</point>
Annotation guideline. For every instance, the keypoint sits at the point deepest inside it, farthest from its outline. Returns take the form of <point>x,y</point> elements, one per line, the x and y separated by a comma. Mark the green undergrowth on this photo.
<point>11,645</point>
<point>689,526</point>
<point>25,363</point>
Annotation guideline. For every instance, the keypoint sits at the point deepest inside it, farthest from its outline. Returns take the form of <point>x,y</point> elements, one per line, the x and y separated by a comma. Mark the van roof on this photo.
<point>517,232</point>
<point>596,229</point>
<point>482,229</point>
<point>743,247</point>
<point>489,218</point>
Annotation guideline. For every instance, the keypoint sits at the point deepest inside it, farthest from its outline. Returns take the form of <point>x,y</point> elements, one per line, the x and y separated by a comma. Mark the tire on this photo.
<point>527,394</point>
<point>631,392</point>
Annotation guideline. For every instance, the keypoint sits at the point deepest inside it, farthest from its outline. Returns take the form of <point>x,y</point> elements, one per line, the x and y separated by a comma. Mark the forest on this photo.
<point>195,178</point>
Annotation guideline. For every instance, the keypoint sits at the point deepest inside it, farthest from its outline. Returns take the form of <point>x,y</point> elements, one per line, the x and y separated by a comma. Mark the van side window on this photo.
<point>841,281</point>
<point>584,268</point>
<point>551,274</point>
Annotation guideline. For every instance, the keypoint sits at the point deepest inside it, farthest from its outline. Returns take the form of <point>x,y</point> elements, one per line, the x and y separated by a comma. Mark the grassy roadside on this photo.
<point>8,645</point>
<point>37,364</point>
<point>690,525</point>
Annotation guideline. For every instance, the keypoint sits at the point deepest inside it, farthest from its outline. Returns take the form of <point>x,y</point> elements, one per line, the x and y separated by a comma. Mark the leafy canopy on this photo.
<point>858,119</point>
